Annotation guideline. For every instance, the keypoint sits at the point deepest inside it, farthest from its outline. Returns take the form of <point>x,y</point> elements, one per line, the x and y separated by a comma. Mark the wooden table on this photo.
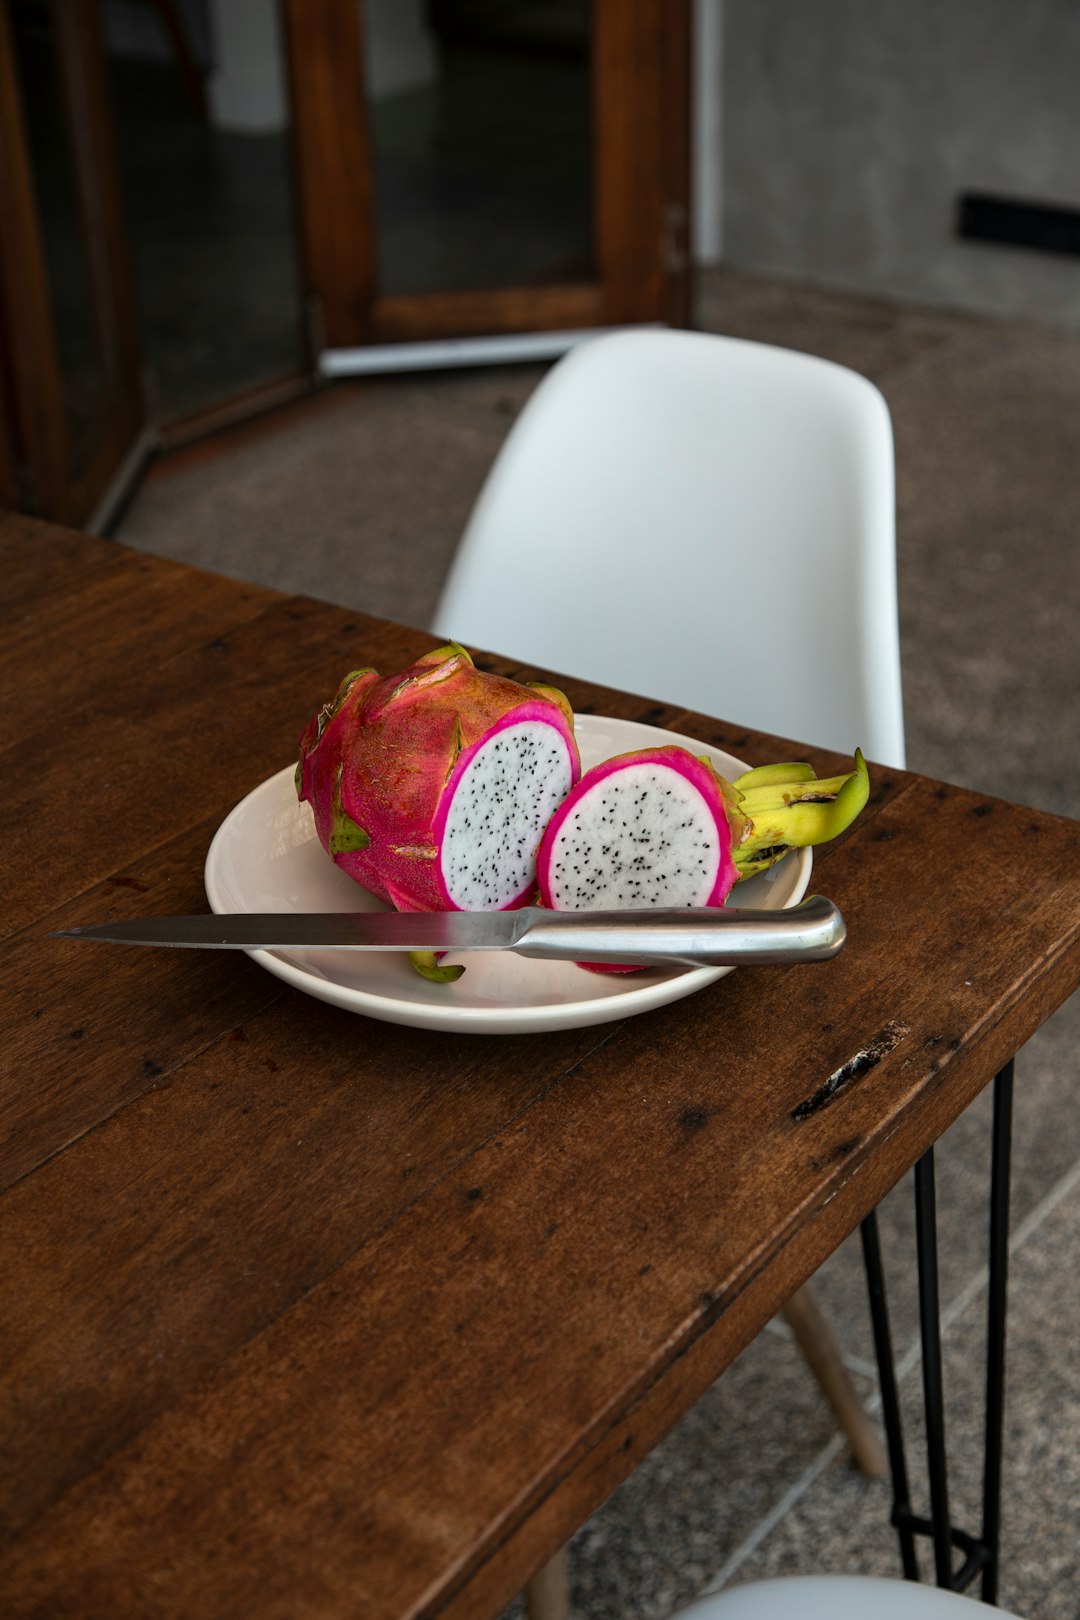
<point>311,1315</point>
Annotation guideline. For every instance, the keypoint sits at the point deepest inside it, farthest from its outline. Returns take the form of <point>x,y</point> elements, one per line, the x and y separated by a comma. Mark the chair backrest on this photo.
<point>702,519</point>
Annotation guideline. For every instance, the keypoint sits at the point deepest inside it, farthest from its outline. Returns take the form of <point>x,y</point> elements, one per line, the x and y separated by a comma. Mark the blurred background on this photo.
<point>276,277</point>
<point>212,206</point>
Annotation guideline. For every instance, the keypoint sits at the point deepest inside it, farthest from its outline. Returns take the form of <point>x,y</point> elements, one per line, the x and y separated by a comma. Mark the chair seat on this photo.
<point>838,1597</point>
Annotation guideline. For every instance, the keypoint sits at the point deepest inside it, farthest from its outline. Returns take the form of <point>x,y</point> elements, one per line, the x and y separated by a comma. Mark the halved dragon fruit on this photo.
<point>432,788</point>
<point>649,828</point>
<point>661,827</point>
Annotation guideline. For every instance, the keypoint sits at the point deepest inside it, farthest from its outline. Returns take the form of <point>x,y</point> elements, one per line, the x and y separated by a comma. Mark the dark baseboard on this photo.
<point>1046,229</point>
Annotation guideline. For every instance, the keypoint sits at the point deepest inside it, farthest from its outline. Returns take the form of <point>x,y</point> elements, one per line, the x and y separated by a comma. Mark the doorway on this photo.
<point>206,201</point>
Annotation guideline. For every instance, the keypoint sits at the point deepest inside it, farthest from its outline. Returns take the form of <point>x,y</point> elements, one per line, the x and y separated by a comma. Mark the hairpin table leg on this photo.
<point>982,1551</point>
<point>995,1328</point>
<point>890,1401</point>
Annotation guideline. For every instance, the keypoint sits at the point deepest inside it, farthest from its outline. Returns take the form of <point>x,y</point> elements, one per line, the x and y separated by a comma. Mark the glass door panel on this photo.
<point>481,139</point>
<point>205,164</point>
<point>487,168</point>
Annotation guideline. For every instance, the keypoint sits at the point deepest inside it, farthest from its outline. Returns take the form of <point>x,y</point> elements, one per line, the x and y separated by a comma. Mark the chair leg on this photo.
<point>548,1593</point>
<point>815,1339</point>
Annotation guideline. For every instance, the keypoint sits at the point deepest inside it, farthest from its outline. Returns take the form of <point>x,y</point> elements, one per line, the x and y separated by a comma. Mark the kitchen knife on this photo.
<point>684,937</point>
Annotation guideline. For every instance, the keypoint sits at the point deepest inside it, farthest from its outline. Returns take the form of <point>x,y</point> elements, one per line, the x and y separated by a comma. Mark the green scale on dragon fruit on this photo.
<point>432,788</point>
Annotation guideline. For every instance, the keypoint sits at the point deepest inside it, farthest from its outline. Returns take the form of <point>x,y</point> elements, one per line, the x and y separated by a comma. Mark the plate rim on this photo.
<point>633,999</point>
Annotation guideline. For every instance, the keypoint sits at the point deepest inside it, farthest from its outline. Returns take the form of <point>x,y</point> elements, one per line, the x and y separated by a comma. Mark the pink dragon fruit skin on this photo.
<point>431,788</point>
<point>652,827</point>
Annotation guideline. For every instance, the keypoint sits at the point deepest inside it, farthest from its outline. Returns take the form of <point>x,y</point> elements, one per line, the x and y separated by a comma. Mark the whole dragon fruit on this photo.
<point>661,827</point>
<point>432,788</point>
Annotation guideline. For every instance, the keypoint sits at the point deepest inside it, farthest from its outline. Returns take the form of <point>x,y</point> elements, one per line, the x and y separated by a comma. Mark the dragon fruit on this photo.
<point>432,788</point>
<point>661,827</point>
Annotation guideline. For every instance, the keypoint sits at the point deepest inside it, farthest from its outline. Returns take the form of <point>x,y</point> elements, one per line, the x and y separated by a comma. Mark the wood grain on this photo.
<point>641,96</point>
<point>335,188</point>
<point>405,317</point>
<point>309,1315</point>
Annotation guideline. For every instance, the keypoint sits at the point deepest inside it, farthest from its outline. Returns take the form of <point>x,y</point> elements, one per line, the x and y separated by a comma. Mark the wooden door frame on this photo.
<point>66,485</point>
<point>9,477</point>
<point>37,426</point>
<point>641,161</point>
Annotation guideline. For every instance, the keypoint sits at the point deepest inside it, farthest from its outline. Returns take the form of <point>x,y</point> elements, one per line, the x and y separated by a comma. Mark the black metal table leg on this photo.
<point>890,1400</point>
<point>982,1551</point>
<point>933,1386</point>
<point>995,1328</point>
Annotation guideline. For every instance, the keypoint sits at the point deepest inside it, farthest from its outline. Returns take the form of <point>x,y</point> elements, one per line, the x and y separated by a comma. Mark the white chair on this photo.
<point>710,522</point>
<point>839,1597</point>
<point>702,519</point>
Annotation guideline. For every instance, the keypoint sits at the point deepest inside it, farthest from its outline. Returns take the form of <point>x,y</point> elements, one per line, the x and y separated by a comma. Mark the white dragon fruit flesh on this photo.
<point>650,828</point>
<point>661,827</point>
<point>432,788</point>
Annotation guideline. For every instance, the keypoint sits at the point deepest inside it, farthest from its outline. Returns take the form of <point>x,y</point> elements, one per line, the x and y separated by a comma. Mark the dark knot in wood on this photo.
<point>866,1058</point>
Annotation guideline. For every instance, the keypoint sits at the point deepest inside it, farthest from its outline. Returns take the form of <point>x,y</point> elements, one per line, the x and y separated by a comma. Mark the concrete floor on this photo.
<point>755,1479</point>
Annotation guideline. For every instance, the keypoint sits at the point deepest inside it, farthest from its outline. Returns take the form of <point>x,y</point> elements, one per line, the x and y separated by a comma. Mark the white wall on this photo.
<point>850,127</point>
<point>399,48</point>
<point>247,89</point>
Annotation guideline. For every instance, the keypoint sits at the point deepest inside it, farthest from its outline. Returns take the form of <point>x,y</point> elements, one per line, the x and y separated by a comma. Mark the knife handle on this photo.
<point>812,931</point>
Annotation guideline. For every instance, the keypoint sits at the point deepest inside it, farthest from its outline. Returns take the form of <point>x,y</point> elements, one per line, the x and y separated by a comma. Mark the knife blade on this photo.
<point>687,937</point>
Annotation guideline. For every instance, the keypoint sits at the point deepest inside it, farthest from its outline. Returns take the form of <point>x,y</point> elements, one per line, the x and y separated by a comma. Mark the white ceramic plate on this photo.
<point>265,857</point>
